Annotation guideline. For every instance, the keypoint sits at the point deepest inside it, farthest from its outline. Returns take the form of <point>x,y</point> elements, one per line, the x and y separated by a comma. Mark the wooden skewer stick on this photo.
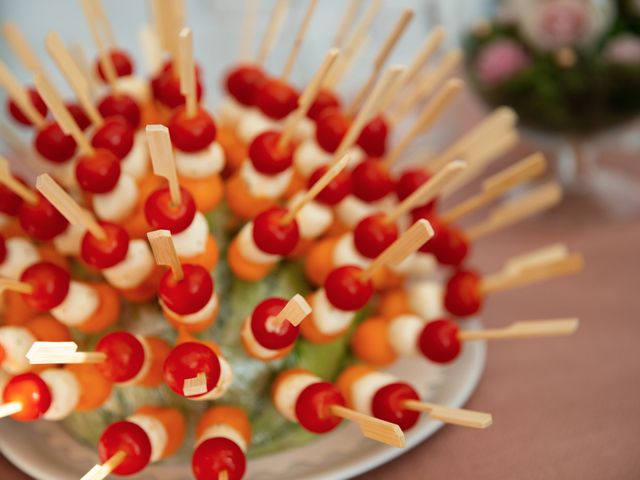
<point>18,93</point>
<point>500,183</point>
<point>294,312</point>
<point>104,23</point>
<point>100,472</point>
<point>21,48</point>
<point>549,253</point>
<point>346,22</point>
<point>195,386</point>
<point>274,26</point>
<point>162,159</point>
<point>307,98</point>
<point>106,62</point>
<point>410,241</point>
<point>380,59</point>
<point>15,286</point>
<point>67,206</point>
<point>10,408</point>
<point>524,329</point>
<point>297,42</point>
<point>73,74</point>
<point>223,475</point>
<point>428,116</point>
<point>250,17</point>
<point>371,427</point>
<point>187,71</point>
<point>13,184</point>
<point>453,416</point>
<point>61,353</point>
<point>79,55</point>
<point>164,251</point>
<point>427,191</point>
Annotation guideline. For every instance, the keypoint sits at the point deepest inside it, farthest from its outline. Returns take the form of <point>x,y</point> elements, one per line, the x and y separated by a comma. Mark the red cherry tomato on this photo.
<point>463,296</point>
<point>371,180</point>
<point>121,61</point>
<point>188,295</point>
<point>30,391</point>
<point>276,99</point>
<point>264,333</point>
<point>79,115</point>
<point>313,407</point>
<point>98,173</point>
<point>439,341</point>
<point>107,252</point>
<point>53,145</point>
<point>243,83</point>
<point>449,244</point>
<point>10,203</point>
<point>373,234</point>
<point>217,455</point>
<point>125,356</point>
<point>42,220</point>
<point>192,134</point>
<point>187,360</point>
<point>273,237</point>
<point>3,251</point>
<point>265,155</point>
<point>331,127</point>
<point>325,100</point>
<point>50,284</point>
<point>129,438</point>
<point>373,138</point>
<point>36,101</point>
<point>409,181</point>
<point>336,190</point>
<point>115,135</point>
<point>346,290</point>
<point>166,89</point>
<point>388,404</point>
<point>162,214</point>
<point>121,105</point>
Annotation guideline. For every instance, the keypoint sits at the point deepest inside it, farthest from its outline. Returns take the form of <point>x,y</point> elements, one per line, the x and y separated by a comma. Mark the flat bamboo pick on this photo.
<point>295,311</point>
<point>410,241</point>
<point>549,253</point>
<point>249,20</point>
<point>307,98</point>
<point>297,42</point>
<point>453,416</point>
<point>18,93</point>
<point>104,23</point>
<point>20,46</point>
<point>80,58</point>
<point>524,329</point>
<point>15,286</point>
<point>12,183</point>
<point>164,251</point>
<point>62,115</point>
<point>10,408</point>
<point>187,71</point>
<point>223,475</point>
<point>195,386</point>
<point>428,116</point>
<point>498,184</point>
<point>346,22</point>
<point>373,428</point>
<point>91,15</point>
<point>67,206</point>
<point>100,472</point>
<point>427,191</point>
<point>152,50</point>
<point>74,76</point>
<point>274,26</point>
<point>61,353</point>
<point>162,159</point>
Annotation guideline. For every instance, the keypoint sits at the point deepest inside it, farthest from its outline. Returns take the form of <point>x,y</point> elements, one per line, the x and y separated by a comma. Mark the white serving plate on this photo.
<point>46,451</point>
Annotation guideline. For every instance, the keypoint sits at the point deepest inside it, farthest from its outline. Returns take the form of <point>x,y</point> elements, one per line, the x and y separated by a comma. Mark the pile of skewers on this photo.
<point>129,173</point>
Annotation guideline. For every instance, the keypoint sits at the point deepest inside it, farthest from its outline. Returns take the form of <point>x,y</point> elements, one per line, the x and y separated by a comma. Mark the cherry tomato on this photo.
<point>53,145</point>
<point>265,155</point>
<point>388,404</point>
<point>373,138</point>
<point>166,89</point>
<point>325,100</point>
<point>409,181</point>
<point>42,220</point>
<point>3,250</point>
<point>439,341</point>
<point>371,180</point>
<point>449,244</point>
<point>243,82</point>
<point>10,203</point>
<point>313,407</point>
<point>187,360</point>
<point>188,295</point>
<point>121,61</point>
<point>192,134</point>
<point>373,234</point>
<point>217,455</point>
<point>125,356</point>
<point>276,99</point>
<point>50,284</point>
<point>107,252</point>
<point>273,237</point>
<point>346,290</point>
<point>79,115</point>
<point>162,214</point>
<point>129,438</point>
<point>264,333</point>
<point>331,127</point>
<point>463,296</point>
<point>36,101</point>
<point>121,105</point>
<point>98,173</point>
<point>336,190</point>
<point>30,391</point>
<point>115,135</point>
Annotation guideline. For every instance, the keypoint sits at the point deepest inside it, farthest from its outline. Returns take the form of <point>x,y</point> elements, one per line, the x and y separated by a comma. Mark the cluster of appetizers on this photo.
<point>131,169</point>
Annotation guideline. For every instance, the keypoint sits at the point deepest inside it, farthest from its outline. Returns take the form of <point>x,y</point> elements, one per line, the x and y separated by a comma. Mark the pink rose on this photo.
<point>501,60</point>
<point>623,49</point>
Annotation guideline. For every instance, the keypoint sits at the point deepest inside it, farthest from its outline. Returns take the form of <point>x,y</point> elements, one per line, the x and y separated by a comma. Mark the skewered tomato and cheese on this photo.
<point>57,150</point>
<point>165,87</point>
<point>126,82</point>
<point>242,84</point>
<point>121,105</point>
<point>41,220</point>
<point>16,113</point>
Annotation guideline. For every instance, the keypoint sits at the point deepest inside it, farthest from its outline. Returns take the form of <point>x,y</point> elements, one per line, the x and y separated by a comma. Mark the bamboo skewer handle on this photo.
<point>371,427</point>
<point>295,311</point>
<point>550,253</point>
<point>12,183</point>
<point>297,42</point>
<point>15,286</point>
<point>100,472</point>
<point>45,353</point>
<point>162,159</point>
<point>524,329</point>
<point>195,386</point>
<point>454,416</point>
<point>275,23</point>
<point>164,252</point>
